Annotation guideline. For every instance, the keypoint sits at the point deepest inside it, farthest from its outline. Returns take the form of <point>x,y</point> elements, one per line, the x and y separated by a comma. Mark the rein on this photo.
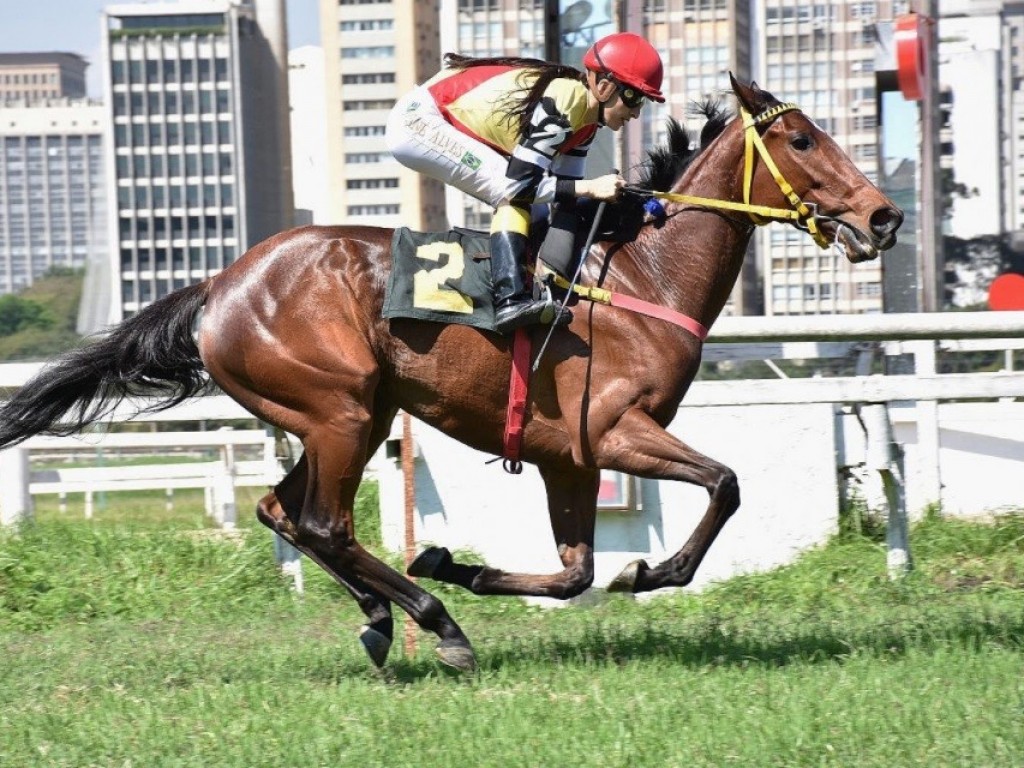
<point>800,214</point>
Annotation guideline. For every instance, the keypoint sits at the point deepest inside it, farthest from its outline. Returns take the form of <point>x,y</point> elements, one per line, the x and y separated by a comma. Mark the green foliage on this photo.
<point>18,314</point>
<point>40,321</point>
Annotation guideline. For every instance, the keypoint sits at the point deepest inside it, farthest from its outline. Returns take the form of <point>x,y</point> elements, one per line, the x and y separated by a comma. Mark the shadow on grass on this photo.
<point>702,644</point>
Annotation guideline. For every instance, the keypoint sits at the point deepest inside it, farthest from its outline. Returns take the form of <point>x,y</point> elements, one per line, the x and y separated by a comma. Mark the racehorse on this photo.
<point>294,332</point>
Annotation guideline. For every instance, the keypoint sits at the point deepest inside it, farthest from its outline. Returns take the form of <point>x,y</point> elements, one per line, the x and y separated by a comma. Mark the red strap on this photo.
<point>516,413</point>
<point>662,313</point>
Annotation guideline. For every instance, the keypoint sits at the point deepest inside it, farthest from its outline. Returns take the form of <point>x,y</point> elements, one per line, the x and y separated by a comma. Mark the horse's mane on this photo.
<point>664,165</point>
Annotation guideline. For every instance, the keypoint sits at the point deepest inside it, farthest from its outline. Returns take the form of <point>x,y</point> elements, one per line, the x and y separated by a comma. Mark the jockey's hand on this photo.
<point>602,188</point>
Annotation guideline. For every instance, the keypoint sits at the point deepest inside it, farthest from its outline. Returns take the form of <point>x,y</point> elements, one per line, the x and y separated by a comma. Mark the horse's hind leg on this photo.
<point>572,504</point>
<point>336,455</point>
<point>279,510</point>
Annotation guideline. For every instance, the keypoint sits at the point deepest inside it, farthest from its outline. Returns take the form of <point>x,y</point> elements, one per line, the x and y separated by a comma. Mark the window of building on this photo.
<point>363,130</point>
<point>368,52</point>
<point>371,183</point>
<point>364,104</point>
<point>383,209</point>
<point>367,78</point>
<point>365,157</point>
<point>366,25</point>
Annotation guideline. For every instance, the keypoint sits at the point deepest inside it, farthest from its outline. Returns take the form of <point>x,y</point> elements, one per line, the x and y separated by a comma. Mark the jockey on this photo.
<point>514,132</point>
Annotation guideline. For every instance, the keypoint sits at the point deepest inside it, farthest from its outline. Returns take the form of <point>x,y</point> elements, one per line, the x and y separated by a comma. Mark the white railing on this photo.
<point>759,337</point>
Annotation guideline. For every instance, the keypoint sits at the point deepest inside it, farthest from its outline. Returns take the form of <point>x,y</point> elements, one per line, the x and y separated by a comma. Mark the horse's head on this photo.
<point>839,204</point>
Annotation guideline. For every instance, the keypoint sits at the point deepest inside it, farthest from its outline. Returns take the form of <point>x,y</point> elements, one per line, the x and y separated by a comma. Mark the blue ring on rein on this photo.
<point>654,207</point>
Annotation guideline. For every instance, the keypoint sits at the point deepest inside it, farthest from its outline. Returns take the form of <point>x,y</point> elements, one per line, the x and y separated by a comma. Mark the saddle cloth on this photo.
<point>443,277</point>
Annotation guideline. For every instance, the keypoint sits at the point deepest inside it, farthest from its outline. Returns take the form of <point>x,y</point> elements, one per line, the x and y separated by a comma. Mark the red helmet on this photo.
<point>629,59</point>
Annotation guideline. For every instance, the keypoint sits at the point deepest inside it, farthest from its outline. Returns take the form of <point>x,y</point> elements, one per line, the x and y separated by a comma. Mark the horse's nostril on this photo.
<point>885,221</point>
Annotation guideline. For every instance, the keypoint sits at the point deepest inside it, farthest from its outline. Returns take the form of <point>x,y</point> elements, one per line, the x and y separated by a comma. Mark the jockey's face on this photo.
<point>621,103</point>
<point>617,110</point>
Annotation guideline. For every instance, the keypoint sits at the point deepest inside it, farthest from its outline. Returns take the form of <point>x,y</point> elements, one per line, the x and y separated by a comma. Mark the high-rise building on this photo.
<point>53,207</point>
<point>700,42</point>
<point>198,151</point>
<point>27,77</point>
<point>379,49</point>
<point>821,56</point>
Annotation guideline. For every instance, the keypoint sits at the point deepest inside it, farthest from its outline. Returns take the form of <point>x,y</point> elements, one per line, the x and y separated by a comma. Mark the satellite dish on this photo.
<point>575,16</point>
<point>572,21</point>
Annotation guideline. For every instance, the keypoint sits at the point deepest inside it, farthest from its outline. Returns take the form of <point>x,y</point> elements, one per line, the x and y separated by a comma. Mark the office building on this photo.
<point>378,49</point>
<point>821,56</point>
<point>199,158</point>
<point>29,77</point>
<point>53,205</point>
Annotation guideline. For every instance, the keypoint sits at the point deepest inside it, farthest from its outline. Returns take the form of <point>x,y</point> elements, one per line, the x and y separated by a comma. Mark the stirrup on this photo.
<point>530,312</point>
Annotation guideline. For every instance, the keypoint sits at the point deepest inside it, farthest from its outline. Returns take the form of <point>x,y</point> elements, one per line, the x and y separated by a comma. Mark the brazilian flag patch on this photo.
<point>470,160</point>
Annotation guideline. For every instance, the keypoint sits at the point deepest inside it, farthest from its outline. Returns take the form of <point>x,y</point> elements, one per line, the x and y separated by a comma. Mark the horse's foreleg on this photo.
<point>378,633</point>
<point>572,501</point>
<point>639,446</point>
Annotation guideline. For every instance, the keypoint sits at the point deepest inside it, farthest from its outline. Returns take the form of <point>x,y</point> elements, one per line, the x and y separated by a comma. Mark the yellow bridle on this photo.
<point>759,214</point>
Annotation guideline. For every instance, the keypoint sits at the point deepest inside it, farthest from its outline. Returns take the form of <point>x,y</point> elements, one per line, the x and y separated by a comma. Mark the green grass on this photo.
<point>138,645</point>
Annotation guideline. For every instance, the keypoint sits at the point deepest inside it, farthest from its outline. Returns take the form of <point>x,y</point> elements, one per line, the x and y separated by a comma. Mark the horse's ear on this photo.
<point>752,98</point>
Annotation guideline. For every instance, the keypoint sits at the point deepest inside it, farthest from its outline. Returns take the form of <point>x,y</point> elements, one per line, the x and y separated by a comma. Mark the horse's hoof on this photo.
<point>377,644</point>
<point>428,561</point>
<point>457,656</point>
<point>627,580</point>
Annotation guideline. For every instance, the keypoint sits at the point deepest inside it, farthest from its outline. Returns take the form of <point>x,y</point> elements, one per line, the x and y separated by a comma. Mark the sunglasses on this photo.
<point>631,97</point>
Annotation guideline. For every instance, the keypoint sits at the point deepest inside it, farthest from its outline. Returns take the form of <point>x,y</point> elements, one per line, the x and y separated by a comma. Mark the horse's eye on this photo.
<point>801,142</point>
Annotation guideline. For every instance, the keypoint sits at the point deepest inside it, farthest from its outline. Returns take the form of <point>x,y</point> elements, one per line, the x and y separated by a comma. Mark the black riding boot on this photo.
<point>514,305</point>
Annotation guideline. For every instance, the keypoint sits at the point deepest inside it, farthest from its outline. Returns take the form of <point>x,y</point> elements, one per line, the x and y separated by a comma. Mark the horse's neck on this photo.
<point>695,257</point>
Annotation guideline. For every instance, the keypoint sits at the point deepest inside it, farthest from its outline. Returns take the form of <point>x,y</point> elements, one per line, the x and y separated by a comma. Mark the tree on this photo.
<point>972,265</point>
<point>19,314</point>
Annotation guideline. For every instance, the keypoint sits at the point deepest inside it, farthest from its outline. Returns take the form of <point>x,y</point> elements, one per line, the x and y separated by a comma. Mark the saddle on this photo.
<point>445,277</point>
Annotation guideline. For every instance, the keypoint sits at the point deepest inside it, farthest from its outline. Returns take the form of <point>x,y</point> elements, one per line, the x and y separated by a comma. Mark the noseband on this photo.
<point>801,214</point>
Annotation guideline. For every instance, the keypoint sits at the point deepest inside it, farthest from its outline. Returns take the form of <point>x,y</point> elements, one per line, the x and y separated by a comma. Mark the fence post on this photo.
<point>15,499</point>
<point>277,452</point>
<point>224,508</point>
<point>928,423</point>
<point>885,456</point>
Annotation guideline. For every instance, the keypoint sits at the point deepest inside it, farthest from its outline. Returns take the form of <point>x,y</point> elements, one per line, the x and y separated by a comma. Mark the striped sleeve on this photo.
<point>533,156</point>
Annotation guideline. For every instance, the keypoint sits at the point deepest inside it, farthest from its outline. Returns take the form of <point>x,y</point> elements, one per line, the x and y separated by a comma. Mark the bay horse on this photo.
<point>294,332</point>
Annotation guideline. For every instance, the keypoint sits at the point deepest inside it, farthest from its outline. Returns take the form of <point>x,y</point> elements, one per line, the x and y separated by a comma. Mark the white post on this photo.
<point>288,558</point>
<point>885,456</point>
<point>88,504</point>
<point>928,424</point>
<point>15,499</point>
<point>224,509</point>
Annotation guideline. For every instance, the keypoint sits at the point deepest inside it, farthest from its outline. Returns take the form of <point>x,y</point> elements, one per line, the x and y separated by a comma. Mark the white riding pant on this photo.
<point>421,139</point>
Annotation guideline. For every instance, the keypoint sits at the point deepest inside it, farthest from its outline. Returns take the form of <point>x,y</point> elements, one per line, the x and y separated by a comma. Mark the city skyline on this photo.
<point>33,29</point>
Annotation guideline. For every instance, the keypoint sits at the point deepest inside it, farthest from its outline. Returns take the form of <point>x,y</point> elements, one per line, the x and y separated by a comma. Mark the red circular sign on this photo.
<point>1006,292</point>
<point>911,36</point>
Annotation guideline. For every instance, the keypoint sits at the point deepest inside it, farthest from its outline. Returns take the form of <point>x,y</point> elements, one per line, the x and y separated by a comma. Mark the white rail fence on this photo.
<point>731,338</point>
<point>218,478</point>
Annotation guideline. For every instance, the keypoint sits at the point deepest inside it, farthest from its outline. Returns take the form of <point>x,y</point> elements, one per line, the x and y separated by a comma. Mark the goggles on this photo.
<point>630,96</point>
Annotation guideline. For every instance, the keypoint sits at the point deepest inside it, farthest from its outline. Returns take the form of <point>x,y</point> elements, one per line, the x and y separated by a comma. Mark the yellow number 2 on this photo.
<point>430,290</point>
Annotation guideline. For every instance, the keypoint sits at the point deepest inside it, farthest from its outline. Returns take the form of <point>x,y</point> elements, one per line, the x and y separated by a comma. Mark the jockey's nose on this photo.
<point>885,222</point>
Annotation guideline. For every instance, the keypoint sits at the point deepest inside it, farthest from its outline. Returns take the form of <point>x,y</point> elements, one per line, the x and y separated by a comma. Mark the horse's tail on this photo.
<point>151,354</point>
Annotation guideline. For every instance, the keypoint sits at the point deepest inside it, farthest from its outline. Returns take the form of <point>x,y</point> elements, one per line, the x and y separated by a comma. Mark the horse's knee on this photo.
<point>330,537</point>
<point>726,488</point>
